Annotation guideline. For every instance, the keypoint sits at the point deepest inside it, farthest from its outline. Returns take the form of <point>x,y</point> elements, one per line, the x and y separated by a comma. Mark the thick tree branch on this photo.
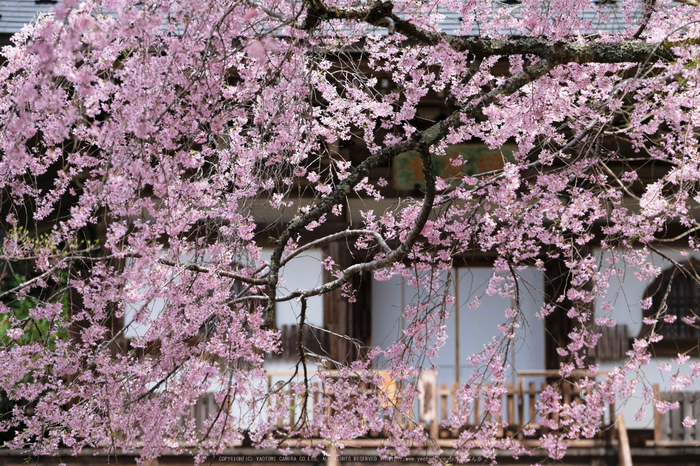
<point>380,13</point>
<point>343,189</point>
<point>560,52</point>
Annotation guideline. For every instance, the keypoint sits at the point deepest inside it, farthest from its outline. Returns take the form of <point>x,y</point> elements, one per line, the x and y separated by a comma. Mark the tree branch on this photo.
<point>397,254</point>
<point>419,141</point>
<point>223,273</point>
<point>342,234</point>
<point>561,52</point>
<point>380,13</point>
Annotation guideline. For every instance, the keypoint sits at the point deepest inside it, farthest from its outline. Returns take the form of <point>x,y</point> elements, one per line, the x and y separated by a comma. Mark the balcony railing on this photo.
<point>518,404</point>
<point>669,430</point>
<point>432,407</point>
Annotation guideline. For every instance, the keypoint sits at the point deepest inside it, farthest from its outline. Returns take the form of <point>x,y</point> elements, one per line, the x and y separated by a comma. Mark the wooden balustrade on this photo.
<point>668,427</point>
<point>432,408</point>
<point>205,407</point>
<point>434,405</point>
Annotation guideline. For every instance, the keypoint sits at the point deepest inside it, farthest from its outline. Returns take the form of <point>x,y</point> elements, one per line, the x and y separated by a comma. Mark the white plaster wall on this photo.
<point>476,326</point>
<point>479,326</point>
<point>302,272</point>
<point>156,306</point>
<point>625,294</point>
<point>135,329</point>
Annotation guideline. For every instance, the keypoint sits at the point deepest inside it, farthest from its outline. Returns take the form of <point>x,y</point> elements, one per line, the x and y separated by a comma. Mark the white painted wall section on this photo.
<point>625,293</point>
<point>476,326</point>
<point>302,272</point>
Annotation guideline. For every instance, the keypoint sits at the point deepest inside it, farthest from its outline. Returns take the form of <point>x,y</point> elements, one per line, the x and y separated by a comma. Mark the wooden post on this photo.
<point>455,387</point>
<point>332,459</point>
<point>510,406</point>
<point>532,394</point>
<point>457,357</point>
<point>317,400</point>
<point>625,454</point>
<point>488,417</point>
<point>687,410</point>
<point>521,403</point>
<point>657,415</point>
<point>444,409</point>
<point>435,427</point>
<point>292,409</point>
<point>546,429</point>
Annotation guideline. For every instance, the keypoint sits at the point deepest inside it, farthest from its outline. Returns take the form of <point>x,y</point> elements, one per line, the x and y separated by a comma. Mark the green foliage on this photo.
<point>35,330</point>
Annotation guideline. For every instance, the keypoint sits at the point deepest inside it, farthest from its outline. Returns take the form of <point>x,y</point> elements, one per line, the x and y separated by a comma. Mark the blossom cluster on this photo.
<point>186,136</point>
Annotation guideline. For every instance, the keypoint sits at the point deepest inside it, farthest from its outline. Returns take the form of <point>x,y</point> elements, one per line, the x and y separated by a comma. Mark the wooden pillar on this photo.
<point>557,324</point>
<point>344,316</point>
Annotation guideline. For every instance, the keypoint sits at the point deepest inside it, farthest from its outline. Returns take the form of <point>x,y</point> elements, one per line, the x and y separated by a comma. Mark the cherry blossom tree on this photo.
<point>167,125</point>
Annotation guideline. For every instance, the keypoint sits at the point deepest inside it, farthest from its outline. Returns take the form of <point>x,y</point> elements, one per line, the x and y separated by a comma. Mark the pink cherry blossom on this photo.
<point>689,421</point>
<point>162,164</point>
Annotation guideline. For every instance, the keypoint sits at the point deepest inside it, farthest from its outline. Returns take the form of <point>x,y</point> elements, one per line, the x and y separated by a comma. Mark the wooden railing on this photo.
<point>519,408</point>
<point>204,408</point>
<point>668,427</point>
<point>519,403</point>
<point>432,407</point>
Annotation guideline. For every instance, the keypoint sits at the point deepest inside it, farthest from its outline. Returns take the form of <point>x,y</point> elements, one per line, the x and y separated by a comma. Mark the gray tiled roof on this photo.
<point>16,13</point>
<point>613,23</point>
